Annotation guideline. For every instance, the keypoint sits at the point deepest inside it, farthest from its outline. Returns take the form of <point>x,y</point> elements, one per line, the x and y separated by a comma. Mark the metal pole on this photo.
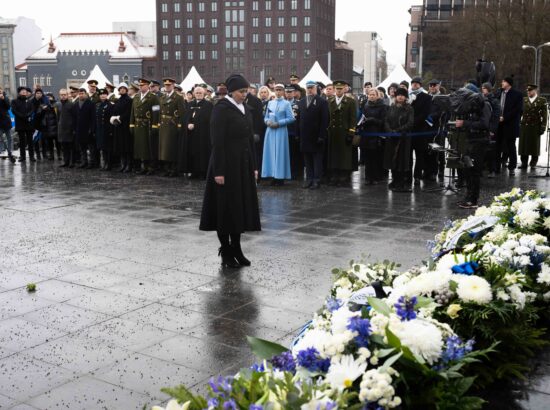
<point>329,64</point>
<point>539,63</point>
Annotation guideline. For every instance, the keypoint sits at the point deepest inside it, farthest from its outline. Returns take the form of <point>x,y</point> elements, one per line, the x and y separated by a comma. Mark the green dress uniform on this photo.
<point>341,130</point>
<point>144,121</point>
<point>172,110</point>
<point>95,97</point>
<point>533,124</point>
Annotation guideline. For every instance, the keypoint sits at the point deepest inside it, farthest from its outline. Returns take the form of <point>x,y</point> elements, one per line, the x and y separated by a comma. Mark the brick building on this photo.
<point>258,39</point>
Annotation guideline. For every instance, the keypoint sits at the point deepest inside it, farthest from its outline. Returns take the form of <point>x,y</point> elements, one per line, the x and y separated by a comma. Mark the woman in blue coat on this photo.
<point>276,159</point>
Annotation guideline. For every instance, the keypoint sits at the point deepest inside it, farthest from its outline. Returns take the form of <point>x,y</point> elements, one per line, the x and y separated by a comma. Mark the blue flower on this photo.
<point>405,308</point>
<point>312,361</point>
<point>536,259</point>
<point>221,385</point>
<point>466,268</point>
<point>213,402</point>
<point>329,405</point>
<point>456,349</point>
<point>362,327</point>
<point>284,362</point>
<point>333,304</point>
<point>257,367</point>
<point>256,407</point>
<point>230,405</point>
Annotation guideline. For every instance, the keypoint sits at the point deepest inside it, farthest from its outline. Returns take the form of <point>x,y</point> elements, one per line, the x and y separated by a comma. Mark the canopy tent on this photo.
<point>96,74</point>
<point>193,78</point>
<point>396,76</point>
<point>316,74</point>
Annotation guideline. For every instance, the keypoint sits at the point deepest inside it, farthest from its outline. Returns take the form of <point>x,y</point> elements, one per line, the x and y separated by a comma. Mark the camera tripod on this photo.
<point>547,175</point>
<point>449,154</point>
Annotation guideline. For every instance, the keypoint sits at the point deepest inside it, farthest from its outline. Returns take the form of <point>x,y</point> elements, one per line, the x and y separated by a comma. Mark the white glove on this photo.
<point>112,120</point>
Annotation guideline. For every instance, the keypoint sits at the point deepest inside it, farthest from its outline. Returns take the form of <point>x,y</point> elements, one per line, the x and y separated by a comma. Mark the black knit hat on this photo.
<point>402,91</point>
<point>405,83</point>
<point>236,82</point>
<point>509,79</point>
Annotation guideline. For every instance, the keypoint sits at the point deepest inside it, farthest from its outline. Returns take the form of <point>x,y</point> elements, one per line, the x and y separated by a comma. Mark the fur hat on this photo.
<point>236,82</point>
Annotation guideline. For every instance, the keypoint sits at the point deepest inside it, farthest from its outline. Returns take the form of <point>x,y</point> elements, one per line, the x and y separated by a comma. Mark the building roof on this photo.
<point>22,66</point>
<point>117,44</point>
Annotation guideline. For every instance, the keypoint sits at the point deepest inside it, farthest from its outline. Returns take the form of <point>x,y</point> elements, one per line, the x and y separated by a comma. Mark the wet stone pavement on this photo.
<point>130,295</point>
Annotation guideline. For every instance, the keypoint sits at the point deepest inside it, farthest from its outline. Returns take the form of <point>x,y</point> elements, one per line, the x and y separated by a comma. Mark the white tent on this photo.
<point>316,74</point>
<point>96,74</point>
<point>396,76</point>
<point>193,78</point>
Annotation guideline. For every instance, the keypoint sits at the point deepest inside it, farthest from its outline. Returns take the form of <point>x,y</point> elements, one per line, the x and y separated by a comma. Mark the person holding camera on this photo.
<point>475,123</point>
<point>5,124</point>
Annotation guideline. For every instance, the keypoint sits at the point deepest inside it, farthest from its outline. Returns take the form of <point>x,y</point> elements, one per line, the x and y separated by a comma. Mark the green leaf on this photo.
<point>265,349</point>
<point>393,340</point>
<point>385,352</point>
<point>391,361</point>
<point>380,306</point>
<point>464,385</point>
<point>453,286</point>
<point>422,301</point>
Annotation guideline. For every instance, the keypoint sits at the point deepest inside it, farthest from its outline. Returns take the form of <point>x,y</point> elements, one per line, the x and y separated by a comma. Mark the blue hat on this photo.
<point>311,83</point>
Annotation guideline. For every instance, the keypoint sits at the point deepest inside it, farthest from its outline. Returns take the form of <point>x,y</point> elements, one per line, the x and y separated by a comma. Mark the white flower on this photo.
<point>544,275</point>
<point>376,386</point>
<point>546,296</point>
<point>316,338</point>
<point>343,293</point>
<point>449,260</point>
<point>546,223</point>
<point>518,297</point>
<point>527,218</point>
<point>502,295</point>
<point>364,273</point>
<point>340,319</point>
<point>364,354</point>
<point>343,371</point>
<point>474,289</point>
<point>422,337</point>
<point>173,405</point>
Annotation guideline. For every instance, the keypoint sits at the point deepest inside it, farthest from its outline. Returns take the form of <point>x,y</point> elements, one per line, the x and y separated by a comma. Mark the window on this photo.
<point>189,7</point>
<point>189,23</point>
<point>176,7</point>
<point>214,39</point>
<point>202,55</point>
<point>190,54</point>
<point>165,55</point>
<point>202,39</point>
<point>178,71</point>
<point>255,5</point>
<point>214,6</point>
<point>293,37</point>
<point>268,37</point>
<point>177,23</point>
<point>165,71</point>
<point>268,55</point>
<point>281,53</point>
<point>165,24</point>
<point>307,53</point>
<point>307,21</point>
<point>293,56</point>
<point>177,39</point>
<point>190,39</point>
<point>307,4</point>
<point>255,54</point>
<point>307,37</point>
<point>281,21</point>
<point>201,23</point>
<point>165,39</point>
<point>214,54</point>
<point>281,37</point>
<point>281,4</point>
<point>268,5</point>
<point>177,55</point>
<point>214,23</point>
<point>294,4</point>
<point>164,7</point>
<point>255,38</point>
<point>201,6</point>
<point>255,21</point>
<point>23,82</point>
<point>268,21</point>
<point>294,21</point>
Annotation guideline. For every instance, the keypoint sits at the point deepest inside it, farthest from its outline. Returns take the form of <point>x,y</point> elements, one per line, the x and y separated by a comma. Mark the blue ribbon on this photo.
<point>400,134</point>
<point>466,268</point>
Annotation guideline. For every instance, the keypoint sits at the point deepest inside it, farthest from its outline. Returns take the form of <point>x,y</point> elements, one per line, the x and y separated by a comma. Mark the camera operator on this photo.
<point>475,124</point>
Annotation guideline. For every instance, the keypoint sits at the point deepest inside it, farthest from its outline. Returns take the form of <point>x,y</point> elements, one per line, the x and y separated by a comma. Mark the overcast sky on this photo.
<point>390,18</point>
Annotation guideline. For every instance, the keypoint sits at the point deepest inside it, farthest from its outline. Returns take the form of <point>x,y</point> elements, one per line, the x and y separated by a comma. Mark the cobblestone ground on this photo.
<point>130,296</point>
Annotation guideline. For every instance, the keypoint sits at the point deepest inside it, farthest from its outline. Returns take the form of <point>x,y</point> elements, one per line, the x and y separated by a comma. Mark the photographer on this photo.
<point>5,124</point>
<point>474,121</point>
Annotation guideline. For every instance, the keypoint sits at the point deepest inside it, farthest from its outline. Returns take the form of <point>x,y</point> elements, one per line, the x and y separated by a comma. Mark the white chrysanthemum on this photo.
<point>340,319</point>
<point>499,233</point>
<point>474,289</point>
<point>527,219</point>
<point>544,274</point>
<point>343,371</point>
<point>422,337</point>
<point>344,293</point>
<point>518,297</point>
<point>316,338</point>
<point>510,245</point>
<point>427,283</point>
<point>546,296</point>
<point>483,211</point>
<point>173,405</point>
<point>528,206</point>
<point>449,260</point>
<point>375,386</point>
<point>337,343</point>
<point>502,295</point>
<point>546,223</point>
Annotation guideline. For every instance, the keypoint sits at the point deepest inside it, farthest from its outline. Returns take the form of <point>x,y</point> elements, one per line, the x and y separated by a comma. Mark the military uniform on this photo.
<point>144,121</point>
<point>95,95</point>
<point>343,117</point>
<point>172,110</point>
<point>533,124</point>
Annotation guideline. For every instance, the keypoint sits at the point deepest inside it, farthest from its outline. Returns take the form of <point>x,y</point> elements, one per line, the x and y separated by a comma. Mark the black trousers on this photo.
<point>374,163</point>
<point>25,138</point>
<point>314,165</point>
<point>68,150</point>
<point>419,145</point>
<point>506,150</point>
<point>296,159</point>
<point>476,151</point>
<point>525,160</point>
<point>84,147</point>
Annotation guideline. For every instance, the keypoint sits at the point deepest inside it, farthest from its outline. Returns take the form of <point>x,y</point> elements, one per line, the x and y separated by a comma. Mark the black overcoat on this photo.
<point>422,106</point>
<point>375,118</point>
<point>66,121</point>
<point>511,114</point>
<point>233,207</point>
<point>312,124</point>
<point>198,140</point>
<point>5,120</point>
<point>397,151</point>
<point>123,140</point>
<point>85,122</point>
<point>22,109</point>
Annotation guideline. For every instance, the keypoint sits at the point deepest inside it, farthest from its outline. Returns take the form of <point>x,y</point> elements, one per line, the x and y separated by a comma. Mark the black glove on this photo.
<point>320,141</point>
<point>542,130</point>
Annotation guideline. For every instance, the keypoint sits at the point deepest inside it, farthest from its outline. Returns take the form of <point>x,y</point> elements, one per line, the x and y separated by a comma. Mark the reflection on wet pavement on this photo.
<point>130,295</point>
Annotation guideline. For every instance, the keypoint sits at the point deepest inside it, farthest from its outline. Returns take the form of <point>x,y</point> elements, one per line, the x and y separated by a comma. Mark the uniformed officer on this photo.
<point>172,110</point>
<point>154,88</point>
<point>92,91</point>
<point>296,160</point>
<point>179,90</point>
<point>533,124</point>
<point>73,93</point>
<point>111,90</point>
<point>342,115</point>
<point>294,80</point>
<point>133,89</point>
<point>144,123</point>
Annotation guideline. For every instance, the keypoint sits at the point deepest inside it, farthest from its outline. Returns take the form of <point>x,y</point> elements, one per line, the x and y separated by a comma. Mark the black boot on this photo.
<point>228,259</point>
<point>239,256</point>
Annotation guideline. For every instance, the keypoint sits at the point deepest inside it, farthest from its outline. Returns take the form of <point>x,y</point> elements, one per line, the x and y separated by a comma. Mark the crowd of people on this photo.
<point>149,127</point>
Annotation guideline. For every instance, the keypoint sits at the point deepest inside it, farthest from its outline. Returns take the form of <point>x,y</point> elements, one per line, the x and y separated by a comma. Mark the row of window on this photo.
<point>202,39</point>
<point>255,22</point>
<point>267,5</point>
<point>281,21</point>
<point>256,54</point>
<point>189,23</point>
<point>236,32</point>
<point>190,55</point>
<point>280,38</point>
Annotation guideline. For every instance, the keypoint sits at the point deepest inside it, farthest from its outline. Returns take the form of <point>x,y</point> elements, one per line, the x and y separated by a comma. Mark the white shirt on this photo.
<point>142,96</point>
<point>531,99</point>
<point>338,99</point>
<point>239,106</point>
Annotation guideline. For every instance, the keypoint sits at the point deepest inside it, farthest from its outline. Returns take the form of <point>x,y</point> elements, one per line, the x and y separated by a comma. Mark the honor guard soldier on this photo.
<point>144,123</point>
<point>92,91</point>
<point>533,124</point>
<point>172,110</point>
<point>111,90</point>
<point>294,80</point>
<point>342,121</point>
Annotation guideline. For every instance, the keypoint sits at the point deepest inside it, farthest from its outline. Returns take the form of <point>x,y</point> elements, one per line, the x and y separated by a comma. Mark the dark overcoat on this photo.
<point>22,109</point>
<point>198,141</point>
<point>5,120</point>
<point>85,122</point>
<point>171,131</point>
<point>103,129</point>
<point>66,121</point>
<point>312,124</point>
<point>397,151</point>
<point>233,207</point>
<point>144,119</point>
<point>533,124</point>
<point>123,139</point>
<point>374,121</point>
<point>511,114</point>
<point>342,121</point>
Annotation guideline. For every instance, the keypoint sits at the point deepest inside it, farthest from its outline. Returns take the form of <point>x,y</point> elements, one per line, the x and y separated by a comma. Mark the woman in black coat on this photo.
<point>374,116</point>
<point>230,201</point>
<point>49,128</point>
<point>120,118</point>
<point>397,152</point>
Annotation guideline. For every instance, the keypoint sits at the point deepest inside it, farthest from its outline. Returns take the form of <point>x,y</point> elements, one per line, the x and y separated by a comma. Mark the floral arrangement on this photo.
<point>416,339</point>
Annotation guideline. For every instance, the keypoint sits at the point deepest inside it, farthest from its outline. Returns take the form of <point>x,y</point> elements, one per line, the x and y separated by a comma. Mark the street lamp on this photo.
<point>538,59</point>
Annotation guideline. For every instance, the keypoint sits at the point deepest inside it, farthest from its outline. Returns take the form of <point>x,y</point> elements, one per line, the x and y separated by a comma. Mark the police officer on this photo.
<point>172,110</point>
<point>144,123</point>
